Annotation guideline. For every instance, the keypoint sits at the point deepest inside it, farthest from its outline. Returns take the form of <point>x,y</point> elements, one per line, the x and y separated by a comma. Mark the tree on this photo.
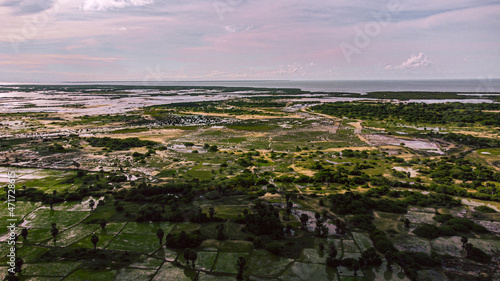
<point>321,246</point>
<point>468,248</point>
<point>193,256</point>
<point>76,164</point>
<point>240,263</point>
<point>355,267</point>
<point>24,233</point>
<point>19,262</point>
<point>103,224</point>
<point>211,212</point>
<point>54,231</point>
<point>390,260</point>
<point>187,256</point>
<point>332,251</point>
<point>159,234</point>
<point>50,201</point>
<point>288,213</point>
<point>91,204</point>
<point>340,227</point>
<point>220,232</point>
<point>94,241</point>
<point>464,241</point>
<point>407,223</point>
<point>320,230</point>
<point>303,219</point>
<point>190,255</point>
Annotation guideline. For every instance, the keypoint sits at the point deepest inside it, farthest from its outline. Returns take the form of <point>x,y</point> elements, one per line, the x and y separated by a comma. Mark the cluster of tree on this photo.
<point>474,253</point>
<point>137,156</point>
<point>158,193</point>
<point>184,240</point>
<point>447,169</point>
<point>357,203</point>
<point>370,257</point>
<point>468,140</point>
<point>450,226</point>
<point>265,219</point>
<point>119,144</point>
<point>412,262</point>
<point>410,95</point>
<point>258,103</point>
<point>436,113</point>
<point>51,149</point>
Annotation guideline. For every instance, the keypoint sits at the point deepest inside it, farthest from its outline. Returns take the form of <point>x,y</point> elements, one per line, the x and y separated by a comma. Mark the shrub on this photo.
<point>428,231</point>
<point>485,209</point>
<point>274,247</point>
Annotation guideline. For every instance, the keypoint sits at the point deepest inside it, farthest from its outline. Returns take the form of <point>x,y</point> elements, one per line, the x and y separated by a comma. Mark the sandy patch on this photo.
<point>413,173</point>
<point>417,144</point>
<point>479,134</point>
<point>303,171</point>
<point>153,135</point>
<point>357,148</point>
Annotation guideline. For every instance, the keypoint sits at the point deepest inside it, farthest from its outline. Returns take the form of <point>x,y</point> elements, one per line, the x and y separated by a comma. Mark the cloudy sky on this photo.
<point>110,40</point>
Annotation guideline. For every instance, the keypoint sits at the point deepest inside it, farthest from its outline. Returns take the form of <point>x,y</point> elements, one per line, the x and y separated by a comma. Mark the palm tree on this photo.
<point>19,262</point>
<point>50,201</point>
<point>187,255</point>
<point>390,260</point>
<point>355,267</point>
<point>91,204</point>
<point>211,212</point>
<point>303,219</point>
<point>94,241</point>
<point>240,263</point>
<point>464,241</point>
<point>220,232</point>
<point>468,247</point>
<point>103,223</point>
<point>407,223</point>
<point>24,233</point>
<point>159,234</point>
<point>54,231</point>
<point>193,256</point>
<point>332,251</point>
<point>288,213</point>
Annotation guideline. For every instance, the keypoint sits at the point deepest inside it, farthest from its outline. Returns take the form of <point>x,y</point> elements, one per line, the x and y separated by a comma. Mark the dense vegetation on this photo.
<point>421,113</point>
<point>119,144</point>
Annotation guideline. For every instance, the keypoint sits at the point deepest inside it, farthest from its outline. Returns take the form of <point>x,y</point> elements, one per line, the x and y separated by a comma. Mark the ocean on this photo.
<point>351,86</point>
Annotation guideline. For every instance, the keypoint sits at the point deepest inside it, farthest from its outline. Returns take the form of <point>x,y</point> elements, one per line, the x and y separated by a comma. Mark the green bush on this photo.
<point>428,231</point>
<point>485,209</point>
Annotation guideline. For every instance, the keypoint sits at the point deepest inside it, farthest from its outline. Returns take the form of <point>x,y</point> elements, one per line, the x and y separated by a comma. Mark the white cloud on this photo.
<point>415,61</point>
<point>104,5</point>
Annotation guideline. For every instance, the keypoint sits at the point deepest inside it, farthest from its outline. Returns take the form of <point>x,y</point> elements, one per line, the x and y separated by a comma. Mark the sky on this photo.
<point>178,40</point>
